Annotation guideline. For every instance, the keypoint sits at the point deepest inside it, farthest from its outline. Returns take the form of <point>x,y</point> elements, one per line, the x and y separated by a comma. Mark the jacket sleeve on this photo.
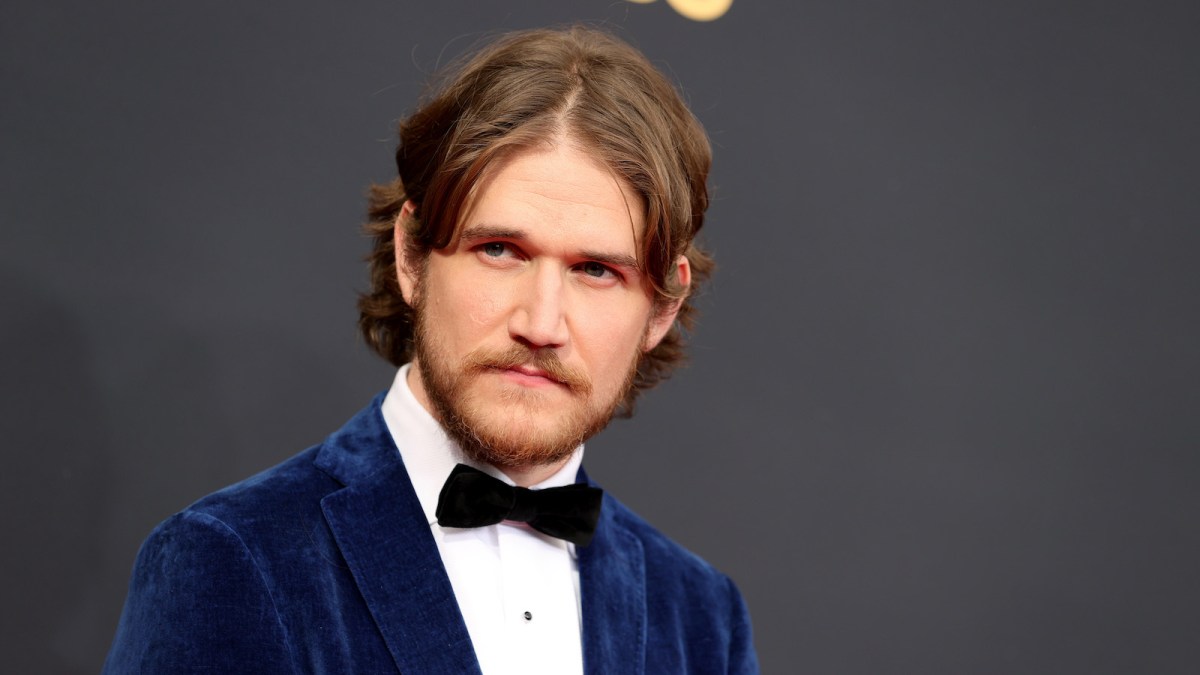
<point>742,658</point>
<point>198,603</point>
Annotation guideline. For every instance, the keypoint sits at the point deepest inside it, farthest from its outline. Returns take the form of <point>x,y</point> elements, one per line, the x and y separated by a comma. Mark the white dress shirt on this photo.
<point>517,588</point>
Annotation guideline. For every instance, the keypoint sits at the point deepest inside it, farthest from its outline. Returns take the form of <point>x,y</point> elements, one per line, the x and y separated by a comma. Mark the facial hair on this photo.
<point>505,433</point>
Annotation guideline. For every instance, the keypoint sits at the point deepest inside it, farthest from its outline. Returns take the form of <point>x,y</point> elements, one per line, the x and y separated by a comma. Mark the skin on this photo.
<point>545,258</point>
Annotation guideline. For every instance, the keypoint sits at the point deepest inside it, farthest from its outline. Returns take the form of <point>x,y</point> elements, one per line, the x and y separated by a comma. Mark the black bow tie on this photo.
<point>471,498</point>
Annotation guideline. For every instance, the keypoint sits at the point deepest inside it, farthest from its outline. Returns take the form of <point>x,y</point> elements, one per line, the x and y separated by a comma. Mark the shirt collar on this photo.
<point>429,454</point>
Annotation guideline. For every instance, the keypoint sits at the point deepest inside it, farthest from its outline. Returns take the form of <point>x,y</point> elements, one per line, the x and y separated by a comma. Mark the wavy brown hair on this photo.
<point>524,89</point>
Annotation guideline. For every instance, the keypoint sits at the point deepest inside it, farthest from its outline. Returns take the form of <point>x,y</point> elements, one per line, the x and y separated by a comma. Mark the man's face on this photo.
<point>531,322</point>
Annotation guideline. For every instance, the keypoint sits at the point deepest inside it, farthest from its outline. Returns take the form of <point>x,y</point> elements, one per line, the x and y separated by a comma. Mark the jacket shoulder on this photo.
<point>194,578</point>
<point>274,492</point>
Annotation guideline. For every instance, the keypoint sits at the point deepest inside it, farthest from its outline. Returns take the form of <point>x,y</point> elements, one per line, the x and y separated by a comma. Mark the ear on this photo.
<point>664,318</point>
<point>406,274</point>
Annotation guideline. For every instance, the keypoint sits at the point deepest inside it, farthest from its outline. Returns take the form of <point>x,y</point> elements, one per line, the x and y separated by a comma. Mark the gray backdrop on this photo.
<point>941,415</point>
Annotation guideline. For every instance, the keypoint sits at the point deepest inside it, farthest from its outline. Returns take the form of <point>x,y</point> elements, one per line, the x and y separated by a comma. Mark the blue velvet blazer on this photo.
<point>325,564</point>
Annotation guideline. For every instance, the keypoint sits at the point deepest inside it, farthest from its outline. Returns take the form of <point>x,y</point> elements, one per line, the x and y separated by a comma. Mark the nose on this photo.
<point>539,318</point>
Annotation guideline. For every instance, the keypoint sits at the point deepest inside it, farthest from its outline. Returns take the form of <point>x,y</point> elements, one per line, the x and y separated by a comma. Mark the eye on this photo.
<point>595,269</point>
<point>494,249</point>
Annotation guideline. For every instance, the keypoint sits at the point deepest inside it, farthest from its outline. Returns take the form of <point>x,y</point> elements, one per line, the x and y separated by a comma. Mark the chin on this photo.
<point>522,430</point>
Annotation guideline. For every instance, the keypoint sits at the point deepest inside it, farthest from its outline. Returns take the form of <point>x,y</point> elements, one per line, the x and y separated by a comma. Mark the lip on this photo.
<point>529,376</point>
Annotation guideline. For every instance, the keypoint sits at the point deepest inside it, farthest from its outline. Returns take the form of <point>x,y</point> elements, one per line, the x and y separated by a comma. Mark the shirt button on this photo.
<point>528,616</point>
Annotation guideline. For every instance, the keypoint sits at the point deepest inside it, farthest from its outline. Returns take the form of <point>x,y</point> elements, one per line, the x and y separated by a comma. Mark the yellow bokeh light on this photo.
<point>701,10</point>
<point>697,10</point>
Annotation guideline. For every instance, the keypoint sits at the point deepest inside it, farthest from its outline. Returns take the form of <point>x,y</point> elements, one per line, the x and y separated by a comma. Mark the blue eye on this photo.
<point>494,249</point>
<point>594,269</point>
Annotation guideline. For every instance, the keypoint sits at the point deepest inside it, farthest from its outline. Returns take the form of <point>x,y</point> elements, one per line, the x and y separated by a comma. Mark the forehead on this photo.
<point>558,189</point>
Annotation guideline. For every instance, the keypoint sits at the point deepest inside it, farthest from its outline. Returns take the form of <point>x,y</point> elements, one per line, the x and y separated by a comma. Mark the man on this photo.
<point>530,276</point>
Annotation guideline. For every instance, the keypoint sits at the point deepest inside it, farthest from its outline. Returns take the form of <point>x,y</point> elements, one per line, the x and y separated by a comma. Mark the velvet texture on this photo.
<point>325,564</point>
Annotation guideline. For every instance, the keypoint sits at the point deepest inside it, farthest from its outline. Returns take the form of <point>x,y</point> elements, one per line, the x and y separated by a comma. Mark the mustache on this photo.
<point>545,360</point>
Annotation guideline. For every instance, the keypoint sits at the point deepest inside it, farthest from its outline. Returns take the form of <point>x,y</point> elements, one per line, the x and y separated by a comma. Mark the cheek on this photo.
<point>610,339</point>
<point>484,308</point>
<point>475,308</point>
<point>457,309</point>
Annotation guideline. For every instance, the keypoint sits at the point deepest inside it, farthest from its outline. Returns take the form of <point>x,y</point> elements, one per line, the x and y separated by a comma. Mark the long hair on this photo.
<point>527,88</point>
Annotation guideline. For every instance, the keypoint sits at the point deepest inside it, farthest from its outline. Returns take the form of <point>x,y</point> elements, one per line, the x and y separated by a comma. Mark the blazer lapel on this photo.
<point>381,530</point>
<point>612,579</point>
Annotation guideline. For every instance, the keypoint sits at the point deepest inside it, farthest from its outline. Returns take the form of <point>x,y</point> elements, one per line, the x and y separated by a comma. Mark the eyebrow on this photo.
<point>478,232</point>
<point>620,260</point>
